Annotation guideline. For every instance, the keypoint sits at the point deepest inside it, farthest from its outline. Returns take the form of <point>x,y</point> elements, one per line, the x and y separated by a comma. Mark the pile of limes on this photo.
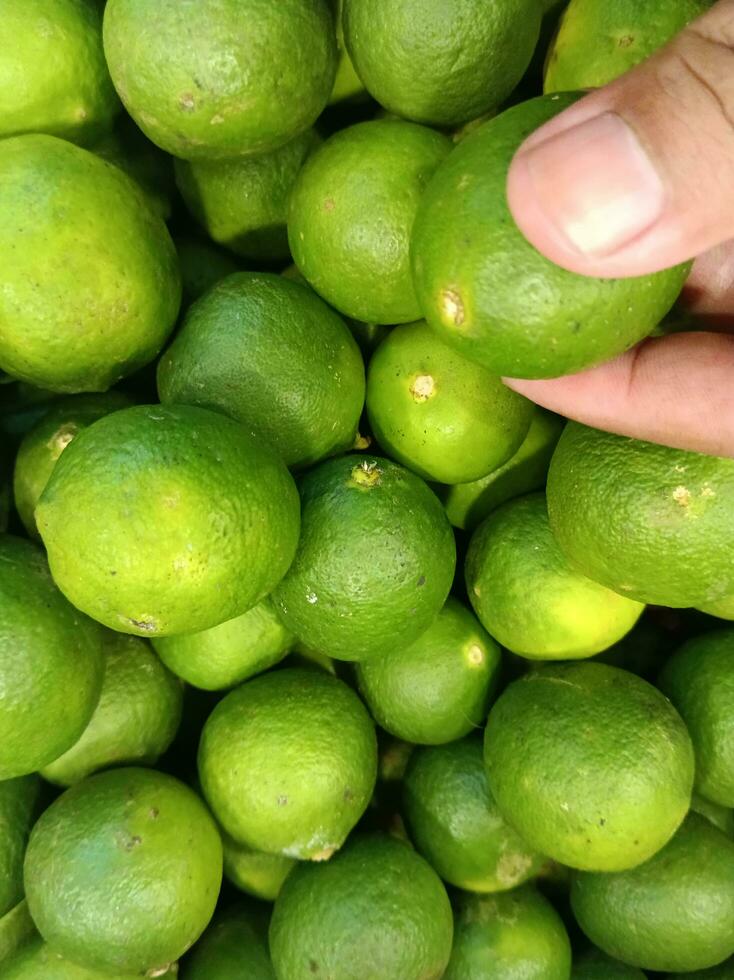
<point>259,284</point>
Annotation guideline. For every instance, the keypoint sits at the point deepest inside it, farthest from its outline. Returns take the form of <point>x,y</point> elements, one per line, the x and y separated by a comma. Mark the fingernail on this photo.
<point>596,184</point>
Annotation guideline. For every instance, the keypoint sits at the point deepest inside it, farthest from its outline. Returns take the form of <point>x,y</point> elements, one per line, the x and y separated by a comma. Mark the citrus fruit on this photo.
<point>51,666</point>
<point>440,63</point>
<point>270,353</point>
<point>444,417</point>
<point>651,522</point>
<point>595,965</point>
<point>530,598</point>
<point>720,816</point>
<point>37,961</point>
<point>455,824</point>
<point>53,76</point>
<point>202,265</point>
<point>110,288</point>
<point>117,834</point>
<point>256,872</point>
<point>374,563</point>
<point>19,799</point>
<point>132,152</point>
<point>467,504</point>
<point>514,935</point>
<point>45,442</point>
<point>674,912</point>
<point>234,946</point>
<point>599,40</point>
<point>288,762</point>
<point>16,931</point>
<point>135,720</point>
<point>491,295</point>
<point>351,214</point>
<point>347,84</point>
<point>243,202</point>
<point>229,653</point>
<point>438,688</point>
<point>167,519</point>
<point>721,608</point>
<point>590,764</point>
<point>221,79</point>
<point>375,910</point>
<point>699,680</point>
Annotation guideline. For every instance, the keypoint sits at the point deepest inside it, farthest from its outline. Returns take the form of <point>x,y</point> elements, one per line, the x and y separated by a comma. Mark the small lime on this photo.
<point>456,825</point>
<point>351,214</point>
<point>444,417</point>
<point>229,653</point>
<point>288,762</point>
<point>117,834</point>
<point>374,563</point>
<point>375,910</point>
<point>528,596</point>
<point>438,688</point>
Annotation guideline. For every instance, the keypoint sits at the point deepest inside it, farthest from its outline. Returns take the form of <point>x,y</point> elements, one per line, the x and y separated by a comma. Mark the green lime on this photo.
<point>598,40</point>
<point>229,653</point>
<point>16,931</point>
<point>438,688</point>
<point>141,160</point>
<point>288,762</point>
<point>255,872</point>
<point>202,265</point>
<point>720,816</point>
<point>674,912</point>
<point>514,935</point>
<point>444,417</point>
<point>51,666</point>
<point>440,63</point>
<point>721,608</point>
<point>491,295</point>
<point>347,84</point>
<point>270,353</point>
<point>699,680</point>
<point>467,504</point>
<point>530,598</point>
<point>19,801</point>
<point>456,825</point>
<point>136,719</point>
<point>221,79</point>
<point>651,522</point>
<point>110,290</point>
<point>595,965</point>
<point>376,910</point>
<point>591,765</point>
<point>351,214</point>
<point>123,871</point>
<point>375,561</point>
<point>234,947</point>
<point>168,519</point>
<point>53,75</point>
<point>46,441</point>
<point>243,202</point>
<point>37,961</point>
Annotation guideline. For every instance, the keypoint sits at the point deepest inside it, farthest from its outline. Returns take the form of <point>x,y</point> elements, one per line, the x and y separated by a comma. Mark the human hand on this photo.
<point>637,176</point>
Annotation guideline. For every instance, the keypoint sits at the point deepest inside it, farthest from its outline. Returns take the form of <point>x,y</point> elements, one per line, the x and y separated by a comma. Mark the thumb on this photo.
<point>638,175</point>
